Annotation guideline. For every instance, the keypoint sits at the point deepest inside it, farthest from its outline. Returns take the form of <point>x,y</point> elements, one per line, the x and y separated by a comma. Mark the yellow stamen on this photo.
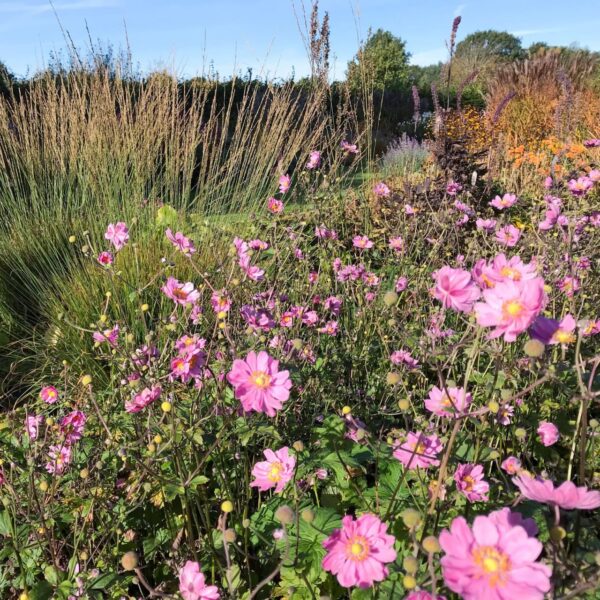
<point>261,379</point>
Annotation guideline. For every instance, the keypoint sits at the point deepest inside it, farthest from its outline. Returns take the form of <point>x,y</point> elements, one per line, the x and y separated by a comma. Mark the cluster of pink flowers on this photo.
<point>275,472</point>
<point>142,399</point>
<point>252,271</point>
<point>501,268</point>
<point>259,384</point>
<point>314,160</point>
<point>60,454</point>
<point>190,360</point>
<point>324,233</point>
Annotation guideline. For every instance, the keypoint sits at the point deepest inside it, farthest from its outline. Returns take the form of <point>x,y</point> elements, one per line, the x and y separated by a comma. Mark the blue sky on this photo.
<point>263,34</point>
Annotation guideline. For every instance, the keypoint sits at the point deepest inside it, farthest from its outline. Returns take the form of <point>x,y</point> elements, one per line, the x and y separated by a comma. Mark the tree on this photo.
<point>6,79</point>
<point>423,77</point>
<point>497,44</point>
<point>537,47</point>
<point>382,61</point>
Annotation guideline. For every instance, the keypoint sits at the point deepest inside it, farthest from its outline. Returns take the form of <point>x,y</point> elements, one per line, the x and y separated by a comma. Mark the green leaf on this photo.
<point>166,215</point>
<point>5,524</point>
<point>41,591</point>
<point>53,575</point>
<point>104,581</point>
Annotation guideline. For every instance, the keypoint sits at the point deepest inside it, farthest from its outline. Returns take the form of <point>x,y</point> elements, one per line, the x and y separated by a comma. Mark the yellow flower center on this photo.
<point>179,293</point>
<point>419,448</point>
<point>261,379</point>
<point>512,308</point>
<point>470,483</point>
<point>564,337</point>
<point>513,274</point>
<point>275,472</point>
<point>445,401</point>
<point>488,282</point>
<point>358,548</point>
<point>494,564</point>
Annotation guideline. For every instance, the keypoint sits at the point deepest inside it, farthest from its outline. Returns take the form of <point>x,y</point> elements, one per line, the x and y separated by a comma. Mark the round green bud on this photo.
<point>410,564</point>
<point>411,517</point>
<point>285,515</point>
<point>534,348</point>
<point>129,561</point>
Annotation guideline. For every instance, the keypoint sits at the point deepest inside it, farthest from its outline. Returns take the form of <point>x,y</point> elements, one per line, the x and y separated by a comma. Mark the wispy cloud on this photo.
<point>526,32</point>
<point>29,9</point>
<point>458,11</point>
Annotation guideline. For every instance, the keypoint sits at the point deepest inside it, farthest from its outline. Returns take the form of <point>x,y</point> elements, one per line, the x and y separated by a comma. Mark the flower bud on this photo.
<point>392,378</point>
<point>229,536</point>
<point>298,446</point>
<point>129,561</point>
<point>409,582</point>
<point>308,515</point>
<point>390,298</point>
<point>285,515</point>
<point>431,545</point>
<point>410,565</point>
<point>411,517</point>
<point>534,348</point>
<point>227,506</point>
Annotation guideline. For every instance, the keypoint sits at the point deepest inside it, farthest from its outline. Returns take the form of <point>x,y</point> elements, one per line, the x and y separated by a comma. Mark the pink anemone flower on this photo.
<point>357,554</point>
<point>259,384</point>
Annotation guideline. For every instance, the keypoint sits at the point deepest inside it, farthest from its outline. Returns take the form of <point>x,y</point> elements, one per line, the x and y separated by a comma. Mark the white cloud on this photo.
<point>429,57</point>
<point>458,11</point>
<point>29,9</point>
<point>526,32</point>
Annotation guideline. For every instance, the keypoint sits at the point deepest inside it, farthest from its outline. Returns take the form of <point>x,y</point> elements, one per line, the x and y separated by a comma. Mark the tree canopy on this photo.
<point>497,44</point>
<point>383,59</point>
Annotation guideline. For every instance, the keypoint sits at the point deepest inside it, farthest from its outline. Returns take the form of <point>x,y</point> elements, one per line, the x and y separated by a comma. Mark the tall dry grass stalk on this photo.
<point>85,146</point>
